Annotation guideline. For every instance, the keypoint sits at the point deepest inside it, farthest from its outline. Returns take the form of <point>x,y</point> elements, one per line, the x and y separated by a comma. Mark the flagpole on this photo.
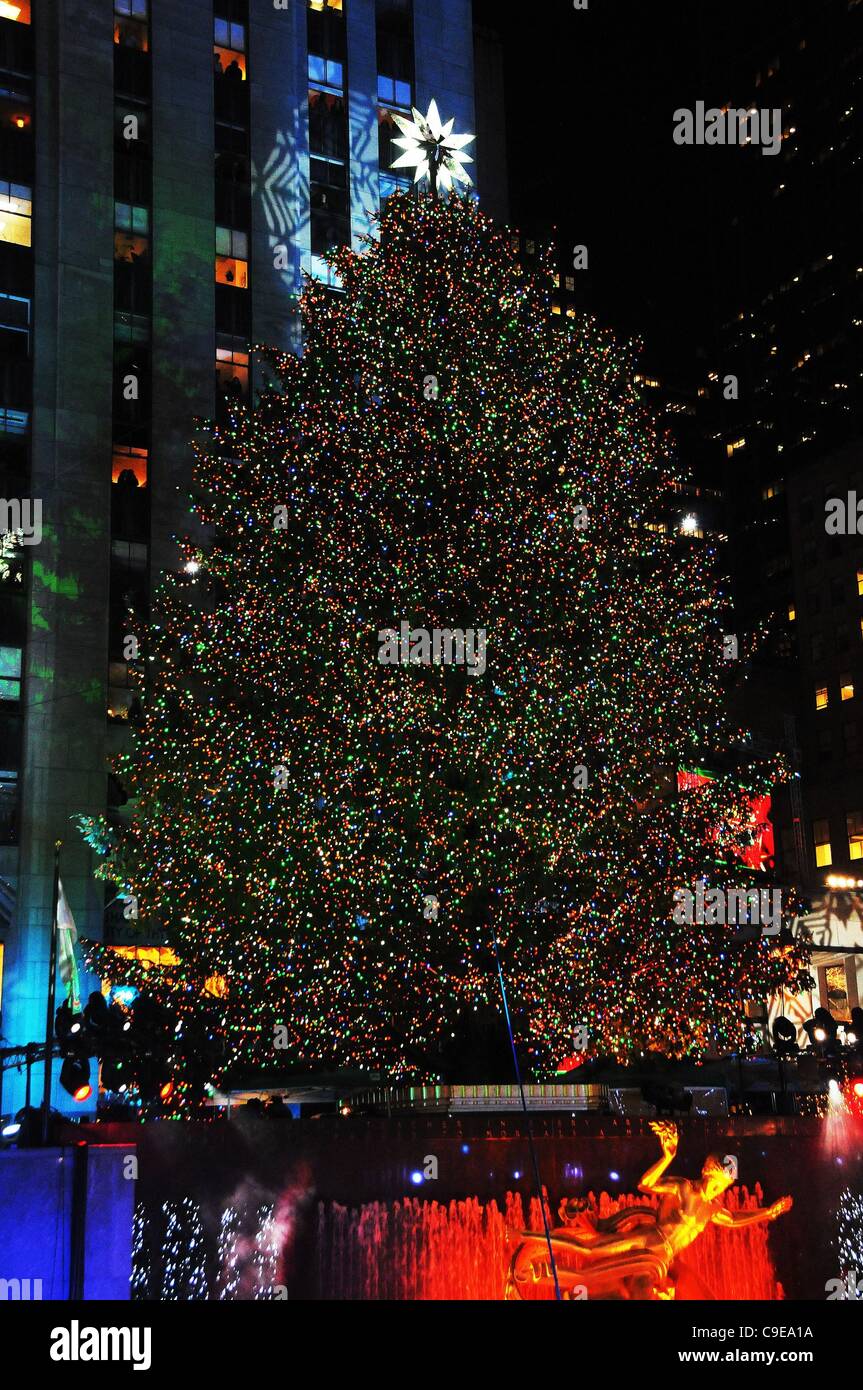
<point>49,1011</point>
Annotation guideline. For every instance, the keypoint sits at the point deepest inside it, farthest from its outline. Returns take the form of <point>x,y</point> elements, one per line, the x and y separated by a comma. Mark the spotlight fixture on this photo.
<point>75,1078</point>
<point>784,1037</point>
<point>822,1031</point>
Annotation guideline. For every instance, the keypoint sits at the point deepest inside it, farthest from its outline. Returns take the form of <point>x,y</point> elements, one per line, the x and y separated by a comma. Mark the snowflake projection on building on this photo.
<point>430,147</point>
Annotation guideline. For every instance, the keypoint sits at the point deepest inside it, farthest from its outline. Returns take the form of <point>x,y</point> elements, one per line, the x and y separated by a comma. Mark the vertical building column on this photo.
<point>362,118</point>
<point>184,251</point>
<point>281,244</point>
<point>64,696</point>
<point>443,49</point>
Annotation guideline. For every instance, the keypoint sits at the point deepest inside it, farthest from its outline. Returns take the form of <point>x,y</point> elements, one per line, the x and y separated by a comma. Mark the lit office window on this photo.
<point>121,691</point>
<point>822,698</point>
<point>127,460</point>
<point>131,234</point>
<point>821,837</point>
<point>229,49</point>
<point>10,673</point>
<point>232,258</point>
<point>16,10</point>
<point>232,366</point>
<point>325,4</point>
<point>228,35</point>
<point>326,73</point>
<point>854,822</point>
<point>393,92</point>
<point>792,615</point>
<point>130,24</point>
<point>734,445</point>
<point>16,213</point>
<point>846,686</point>
<point>319,269</point>
<point>860,583</point>
<point>13,421</point>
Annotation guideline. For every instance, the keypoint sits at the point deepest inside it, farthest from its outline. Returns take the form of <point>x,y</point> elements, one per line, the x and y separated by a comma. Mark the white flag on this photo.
<point>67,936</point>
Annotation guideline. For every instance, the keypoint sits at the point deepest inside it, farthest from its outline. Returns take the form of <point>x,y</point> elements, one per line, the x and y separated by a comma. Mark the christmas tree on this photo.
<point>428,690</point>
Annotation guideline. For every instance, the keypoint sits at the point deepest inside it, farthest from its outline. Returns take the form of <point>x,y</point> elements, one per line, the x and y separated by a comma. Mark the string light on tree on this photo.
<point>299,907</point>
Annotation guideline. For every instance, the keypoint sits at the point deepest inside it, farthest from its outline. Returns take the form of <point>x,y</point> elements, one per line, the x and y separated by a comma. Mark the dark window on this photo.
<point>232,312</point>
<point>328,127</point>
<point>15,311</point>
<point>131,383</point>
<point>326,34</point>
<point>394,39</point>
<point>329,205</point>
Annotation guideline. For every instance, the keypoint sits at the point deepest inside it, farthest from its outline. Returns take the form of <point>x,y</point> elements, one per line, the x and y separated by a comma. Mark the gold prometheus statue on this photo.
<point>630,1255</point>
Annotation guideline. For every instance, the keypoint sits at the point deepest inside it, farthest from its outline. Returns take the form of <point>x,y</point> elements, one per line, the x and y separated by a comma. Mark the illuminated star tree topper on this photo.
<point>431,147</point>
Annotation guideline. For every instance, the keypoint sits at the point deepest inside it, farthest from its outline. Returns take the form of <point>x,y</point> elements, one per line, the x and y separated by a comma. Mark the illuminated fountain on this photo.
<point>427,1250</point>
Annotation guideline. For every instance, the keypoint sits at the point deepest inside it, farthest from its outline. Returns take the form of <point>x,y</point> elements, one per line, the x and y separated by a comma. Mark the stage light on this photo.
<point>615,1177</point>
<point>820,1035</point>
<point>166,1090</point>
<point>416,1178</point>
<point>66,1023</point>
<point>516,1175</point>
<point>83,1092</point>
<point>75,1077</point>
<point>784,1037</point>
<point>858,1088</point>
<point>465,1148</point>
<point>118,1074</point>
<point>850,1038</point>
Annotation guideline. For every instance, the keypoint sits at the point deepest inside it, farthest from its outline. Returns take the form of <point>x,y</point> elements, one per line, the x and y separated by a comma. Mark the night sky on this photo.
<point>590,102</point>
